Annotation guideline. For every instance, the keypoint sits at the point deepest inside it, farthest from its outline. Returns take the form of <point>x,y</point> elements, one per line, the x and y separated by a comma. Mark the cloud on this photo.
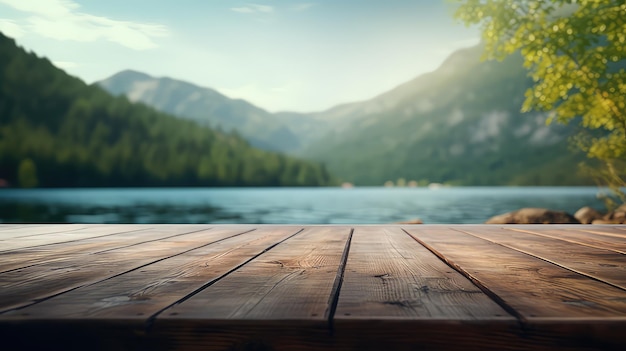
<point>253,8</point>
<point>11,28</point>
<point>48,8</point>
<point>61,20</point>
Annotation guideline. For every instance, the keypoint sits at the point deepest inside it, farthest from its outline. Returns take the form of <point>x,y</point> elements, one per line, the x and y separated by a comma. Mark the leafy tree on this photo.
<point>575,51</point>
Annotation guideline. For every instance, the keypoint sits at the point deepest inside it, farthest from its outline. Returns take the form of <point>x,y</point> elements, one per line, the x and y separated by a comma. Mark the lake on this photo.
<point>284,205</point>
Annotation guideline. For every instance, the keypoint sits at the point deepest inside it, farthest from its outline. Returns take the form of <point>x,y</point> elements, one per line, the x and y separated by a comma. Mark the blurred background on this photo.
<point>272,112</point>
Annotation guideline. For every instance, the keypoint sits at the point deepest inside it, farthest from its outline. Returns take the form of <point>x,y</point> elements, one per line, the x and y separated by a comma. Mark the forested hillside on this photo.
<point>459,124</point>
<point>57,131</point>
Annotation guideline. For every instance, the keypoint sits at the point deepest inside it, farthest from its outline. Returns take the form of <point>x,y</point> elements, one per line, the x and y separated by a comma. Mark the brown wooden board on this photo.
<point>26,286</point>
<point>279,301</point>
<point>601,264</point>
<point>228,288</point>
<point>142,293</point>
<point>5,226</point>
<point>10,233</point>
<point>616,231</point>
<point>615,244</point>
<point>64,236</point>
<point>118,237</point>
<point>389,275</point>
<point>397,295</point>
<point>533,287</point>
<point>551,302</point>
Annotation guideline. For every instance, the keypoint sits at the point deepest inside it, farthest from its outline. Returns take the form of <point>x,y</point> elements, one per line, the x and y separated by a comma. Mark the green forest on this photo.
<point>57,131</point>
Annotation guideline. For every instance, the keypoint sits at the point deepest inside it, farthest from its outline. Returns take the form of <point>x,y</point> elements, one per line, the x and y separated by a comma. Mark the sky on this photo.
<point>281,55</point>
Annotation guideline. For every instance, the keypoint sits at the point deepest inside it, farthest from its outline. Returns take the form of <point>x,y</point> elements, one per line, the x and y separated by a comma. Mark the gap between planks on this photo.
<point>616,280</point>
<point>86,282</point>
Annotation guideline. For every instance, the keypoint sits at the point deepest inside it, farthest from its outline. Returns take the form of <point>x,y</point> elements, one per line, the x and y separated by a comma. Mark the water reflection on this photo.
<point>283,205</point>
<point>146,213</point>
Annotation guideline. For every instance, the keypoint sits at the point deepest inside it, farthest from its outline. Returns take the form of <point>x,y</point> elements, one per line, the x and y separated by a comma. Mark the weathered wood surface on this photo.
<point>262,287</point>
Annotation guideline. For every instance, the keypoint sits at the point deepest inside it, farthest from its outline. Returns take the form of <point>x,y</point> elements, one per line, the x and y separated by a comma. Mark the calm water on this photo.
<point>284,205</point>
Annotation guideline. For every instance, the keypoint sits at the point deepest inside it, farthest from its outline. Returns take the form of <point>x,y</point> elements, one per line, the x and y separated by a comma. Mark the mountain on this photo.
<point>56,131</point>
<point>205,106</point>
<point>459,124</point>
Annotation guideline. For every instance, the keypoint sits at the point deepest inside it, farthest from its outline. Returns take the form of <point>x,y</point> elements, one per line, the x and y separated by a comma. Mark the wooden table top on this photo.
<point>270,287</point>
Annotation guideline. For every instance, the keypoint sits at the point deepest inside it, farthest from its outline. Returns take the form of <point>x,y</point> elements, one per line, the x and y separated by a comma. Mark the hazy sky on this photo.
<point>278,54</point>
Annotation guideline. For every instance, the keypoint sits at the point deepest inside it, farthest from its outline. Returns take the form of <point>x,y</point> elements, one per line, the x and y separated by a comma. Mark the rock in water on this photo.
<point>533,216</point>
<point>586,215</point>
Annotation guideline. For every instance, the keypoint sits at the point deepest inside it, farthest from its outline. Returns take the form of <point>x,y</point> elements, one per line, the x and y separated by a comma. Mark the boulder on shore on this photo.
<point>617,216</point>
<point>586,215</point>
<point>533,216</point>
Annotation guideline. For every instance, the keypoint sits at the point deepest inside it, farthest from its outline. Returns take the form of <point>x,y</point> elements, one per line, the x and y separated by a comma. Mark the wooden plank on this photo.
<point>396,293</point>
<point>531,286</point>
<point>30,285</point>
<point>556,307</point>
<point>600,264</point>
<point>280,301</point>
<point>391,276</point>
<point>139,294</point>
<point>268,302</point>
<point>7,226</point>
<point>599,241</point>
<point>34,230</point>
<point>117,237</point>
<point>615,231</point>
<point>87,232</point>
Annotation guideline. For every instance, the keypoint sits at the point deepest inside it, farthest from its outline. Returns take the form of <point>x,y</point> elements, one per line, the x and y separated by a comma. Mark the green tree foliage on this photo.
<point>27,174</point>
<point>576,55</point>
<point>79,135</point>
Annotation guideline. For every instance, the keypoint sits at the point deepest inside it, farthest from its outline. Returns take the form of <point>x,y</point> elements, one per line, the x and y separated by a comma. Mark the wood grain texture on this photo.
<point>601,264</point>
<point>556,307</point>
<point>531,286</point>
<point>30,285</point>
<point>292,281</point>
<point>264,287</point>
<point>63,236</point>
<point>615,244</point>
<point>142,293</point>
<point>9,232</point>
<point>5,226</point>
<point>117,238</point>
<point>389,275</point>
<point>397,295</point>
<point>615,231</point>
<point>280,301</point>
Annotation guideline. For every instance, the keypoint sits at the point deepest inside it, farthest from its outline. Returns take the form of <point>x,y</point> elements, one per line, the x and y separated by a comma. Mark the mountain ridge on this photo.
<point>204,105</point>
<point>57,131</point>
<point>460,123</point>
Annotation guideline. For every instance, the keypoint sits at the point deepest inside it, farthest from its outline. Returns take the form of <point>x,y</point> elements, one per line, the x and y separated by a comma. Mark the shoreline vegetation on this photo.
<point>57,131</point>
